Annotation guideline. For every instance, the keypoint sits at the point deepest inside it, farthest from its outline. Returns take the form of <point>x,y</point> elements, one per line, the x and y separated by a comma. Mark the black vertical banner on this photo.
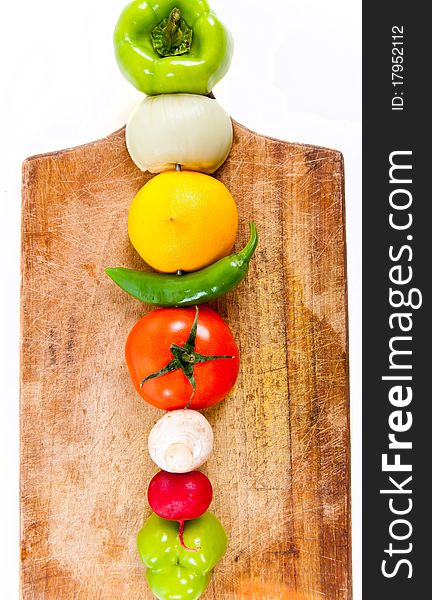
<point>397,242</point>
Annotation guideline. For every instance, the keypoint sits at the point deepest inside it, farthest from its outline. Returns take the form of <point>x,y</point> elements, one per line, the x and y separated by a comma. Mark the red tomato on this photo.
<point>148,351</point>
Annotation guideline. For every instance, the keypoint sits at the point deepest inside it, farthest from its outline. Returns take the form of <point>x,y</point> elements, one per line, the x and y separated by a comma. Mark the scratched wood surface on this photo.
<point>280,467</point>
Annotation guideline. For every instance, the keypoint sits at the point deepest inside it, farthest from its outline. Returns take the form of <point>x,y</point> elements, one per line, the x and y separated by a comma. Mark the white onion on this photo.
<point>186,129</point>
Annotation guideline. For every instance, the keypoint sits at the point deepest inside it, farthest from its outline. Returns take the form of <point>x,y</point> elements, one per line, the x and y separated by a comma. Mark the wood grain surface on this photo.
<point>280,467</point>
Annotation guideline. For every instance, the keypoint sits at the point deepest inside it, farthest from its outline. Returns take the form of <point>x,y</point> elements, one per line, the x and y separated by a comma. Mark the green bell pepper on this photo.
<point>172,46</point>
<point>174,573</point>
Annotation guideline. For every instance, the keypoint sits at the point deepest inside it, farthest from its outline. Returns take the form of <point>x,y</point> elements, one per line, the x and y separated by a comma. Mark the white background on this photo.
<point>296,75</point>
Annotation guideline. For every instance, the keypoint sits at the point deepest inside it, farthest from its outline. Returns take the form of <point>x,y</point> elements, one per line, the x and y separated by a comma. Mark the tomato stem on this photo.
<point>185,358</point>
<point>190,400</point>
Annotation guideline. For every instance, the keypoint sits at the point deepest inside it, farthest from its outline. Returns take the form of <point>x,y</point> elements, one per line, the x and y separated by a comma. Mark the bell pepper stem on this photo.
<point>171,28</point>
<point>172,36</point>
<point>173,22</point>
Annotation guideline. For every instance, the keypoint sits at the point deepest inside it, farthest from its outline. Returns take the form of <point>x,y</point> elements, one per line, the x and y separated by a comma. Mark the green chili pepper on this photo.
<point>190,289</point>
<point>172,571</point>
<point>172,46</point>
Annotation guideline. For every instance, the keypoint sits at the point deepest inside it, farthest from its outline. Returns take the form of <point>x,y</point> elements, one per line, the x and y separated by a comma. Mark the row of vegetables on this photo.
<point>183,223</point>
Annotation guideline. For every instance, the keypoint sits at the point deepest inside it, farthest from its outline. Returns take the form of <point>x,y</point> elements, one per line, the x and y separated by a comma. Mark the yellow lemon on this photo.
<point>182,220</point>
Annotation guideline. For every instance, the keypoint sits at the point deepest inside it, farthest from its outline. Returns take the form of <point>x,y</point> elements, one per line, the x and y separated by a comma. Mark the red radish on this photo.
<point>180,497</point>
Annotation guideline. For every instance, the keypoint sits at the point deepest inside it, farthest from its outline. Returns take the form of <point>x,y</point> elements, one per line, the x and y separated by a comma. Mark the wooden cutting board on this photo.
<point>280,467</point>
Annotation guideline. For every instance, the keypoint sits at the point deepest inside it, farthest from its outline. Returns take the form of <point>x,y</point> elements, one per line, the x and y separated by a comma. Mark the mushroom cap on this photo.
<point>181,441</point>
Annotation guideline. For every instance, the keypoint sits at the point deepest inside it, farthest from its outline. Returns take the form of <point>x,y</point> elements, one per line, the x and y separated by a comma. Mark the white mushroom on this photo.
<point>181,441</point>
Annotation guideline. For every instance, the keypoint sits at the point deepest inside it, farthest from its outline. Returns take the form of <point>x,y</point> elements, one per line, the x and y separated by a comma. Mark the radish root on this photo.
<point>180,534</point>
